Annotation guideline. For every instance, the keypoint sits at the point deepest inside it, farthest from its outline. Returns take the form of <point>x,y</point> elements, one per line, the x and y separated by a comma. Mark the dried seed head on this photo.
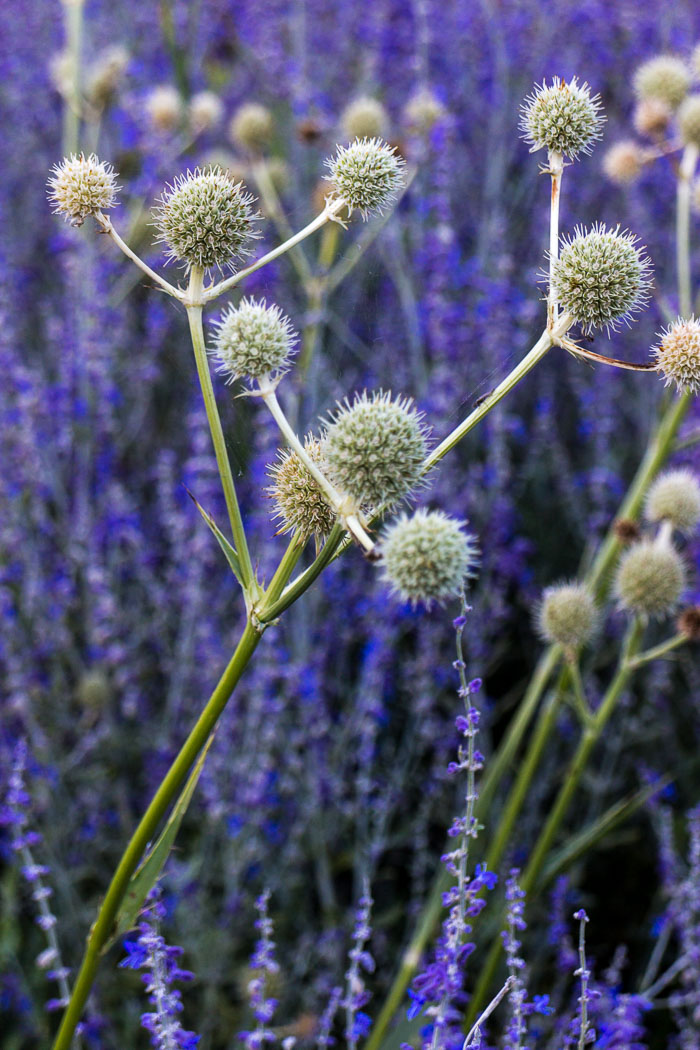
<point>567,615</point>
<point>652,117</point>
<point>366,174</point>
<point>665,78</point>
<point>252,126</point>
<point>254,340</point>
<point>375,448</point>
<point>423,111</point>
<point>678,354</point>
<point>689,120</point>
<point>164,107</point>
<point>602,277</point>
<point>106,74</point>
<point>81,186</point>
<point>689,623</point>
<point>562,118</point>
<point>650,578</point>
<point>206,219</point>
<point>364,118</point>
<point>623,162</point>
<point>627,531</point>
<point>675,497</point>
<point>206,110</point>
<point>300,502</point>
<point>427,557</point>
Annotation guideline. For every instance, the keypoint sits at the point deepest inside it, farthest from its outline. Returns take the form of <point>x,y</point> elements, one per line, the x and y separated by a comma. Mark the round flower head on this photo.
<point>252,126</point>
<point>254,340</point>
<point>300,503</point>
<point>567,615</point>
<point>650,578</point>
<point>689,120</point>
<point>562,118</point>
<point>665,78</point>
<point>164,107</point>
<point>206,219</point>
<point>601,277</point>
<point>375,448</point>
<point>423,111</point>
<point>364,118</point>
<point>205,111</point>
<point>366,174</point>
<point>623,162</point>
<point>678,354</point>
<point>427,557</point>
<point>652,116</point>
<point>675,497</point>
<point>81,186</point>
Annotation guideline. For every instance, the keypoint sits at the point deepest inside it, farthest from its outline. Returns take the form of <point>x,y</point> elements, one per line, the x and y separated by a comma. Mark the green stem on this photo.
<point>73,20</point>
<point>658,650</point>
<point>685,176</point>
<point>269,612</point>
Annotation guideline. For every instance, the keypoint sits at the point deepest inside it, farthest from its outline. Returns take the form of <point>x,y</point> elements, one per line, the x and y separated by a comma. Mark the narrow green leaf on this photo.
<point>229,551</point>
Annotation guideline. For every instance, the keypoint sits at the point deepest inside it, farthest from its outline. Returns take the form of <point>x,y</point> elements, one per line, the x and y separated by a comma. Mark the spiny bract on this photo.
<point>81,186</point>
<point>650,578</point>
<point>254,340</point>
<point>601,277</point>
<point>665,77</point>
<point>300,502</point>
<point>675,497</point>
<point>562,118</point>
<point>678,354</point>
<point>375,448</point>
<point>567,615</point>
<point>366,174</point>
<point>427,557</point>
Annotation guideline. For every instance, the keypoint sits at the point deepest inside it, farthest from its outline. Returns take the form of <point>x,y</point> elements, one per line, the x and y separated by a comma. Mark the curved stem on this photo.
<point>268,612</point>
<point>107,227</point>
<point>556,170</point>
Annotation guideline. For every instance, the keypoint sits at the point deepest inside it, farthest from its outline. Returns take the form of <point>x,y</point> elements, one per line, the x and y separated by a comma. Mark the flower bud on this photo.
<point>689,120</point>
<point>366,174</point>
<point>427,557</point>
<point>652,117</point>
<point>81,186</point>
<point>665,78</point>
<point>689,623</point>
<point>301,505</point>
<point>164,107</point>
<point>423,111</point>
<point>562,118</point>
<point>678,354</point>
<point>623,162</point>
<point>364,118</point>
<point>206,110</point>
<point>567,615</point>
<point>650,578</point>
<point>253,340</point>
<point>675,497</point>
<point>252,126</point>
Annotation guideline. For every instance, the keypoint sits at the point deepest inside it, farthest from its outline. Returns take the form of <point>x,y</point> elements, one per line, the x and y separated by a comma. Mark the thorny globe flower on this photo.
<point>205,219</point>
<point>678,354</point>
<point>427,557</point>
<point>254,340</point>
<point>689,120</point>
<point>623,162</point>
<point>366,174</point>
<point>252,126</point>
<point>664,78</point>
<point>567,615</point>
<point>423,110</point>
<point>300,503</point>
<point>675,497</point>
<point>164,107</point>
<point>375,448</point>
<point>205,111</point>
<point>650,578</point>
<point>562,118</point>
<point>80,186</point>
<point>364,117</point>
<point>602,277</point>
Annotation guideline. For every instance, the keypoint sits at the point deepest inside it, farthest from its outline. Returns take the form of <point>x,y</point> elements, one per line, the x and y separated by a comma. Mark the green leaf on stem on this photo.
<point>229,551</point>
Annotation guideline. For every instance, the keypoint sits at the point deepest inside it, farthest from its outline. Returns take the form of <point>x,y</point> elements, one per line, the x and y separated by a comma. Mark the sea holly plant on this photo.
<point>371,453</point>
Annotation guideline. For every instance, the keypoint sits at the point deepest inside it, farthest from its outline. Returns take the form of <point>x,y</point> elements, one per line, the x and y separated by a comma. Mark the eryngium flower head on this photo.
<point>254,340</point>
<point>300,502</point>
<point>364,118</point>
<point>678,354</point>
<point>652,116</point>
<point>675,497</point>
<point>81,186</point>
<point>650,578</point>
<point>366,174</point>
<point>423,110</point>
<point>623,162</point>
<point>665,77</point>
<point>601,277</point>
<point>252,126</point>
<point>427,557</point>
<point>205,111</point>
<point>689,120</point>
<point>562,118</point>
<point>375,448</point>
<point>567,615</point>
<point>206,219</point>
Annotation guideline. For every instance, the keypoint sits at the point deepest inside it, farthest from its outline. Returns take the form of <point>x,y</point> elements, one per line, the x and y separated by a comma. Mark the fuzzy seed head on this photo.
<point>164,107</point>
<point>106,74</point>
<point>567,615</point>
<point>427,557</point>
<point>375,448</point>
<point>623,162</point>
<point>206,110</point>
<point>675,497</point>
<point>652,117</point>
<point>650,578</point>
<point>253,340</point>
<point>665,78</point>
<point>689,120</point>
<point>602,277</point>
<point>562,118</point>
<point>300,503</point>
<point>423,111</point>
<point>678,355</point>
<point>367,174</point>
<point>364,118</point>
<point>252,126</point>
<point>206,219</point>
<point>81,186</point>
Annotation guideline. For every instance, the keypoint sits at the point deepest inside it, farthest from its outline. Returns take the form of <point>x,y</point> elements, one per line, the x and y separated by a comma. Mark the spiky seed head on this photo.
<point>205,111</point>
<point>689,120</point>
<point>364,118</point>
<point>375,448</point>
<point>562,117</point>
<point>623,162</point>
<point>650,578</point>
<point>675,497</point>
<point>567,615</point>
<point>678,354</point>
<point>665,78</point>
<point>105,75</point>
<point>602,277</point>
<point>423,110</point>
<point>252,126</point>
<point>428,557</point>
<point>164,107</point>
<point>652,117</point>
<point>81,186</point>
<point>206,219</point>
<point>689,623</point>
<point>253,340</point>
<point>300,503</point>
<point>366,174</point>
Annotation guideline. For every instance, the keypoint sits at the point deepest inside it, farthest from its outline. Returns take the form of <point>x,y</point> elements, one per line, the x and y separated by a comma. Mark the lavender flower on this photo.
<point>358,1023</point>
<point>264,965</point>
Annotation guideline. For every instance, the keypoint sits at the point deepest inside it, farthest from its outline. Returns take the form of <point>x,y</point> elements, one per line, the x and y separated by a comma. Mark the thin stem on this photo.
<point>581,703</point>
<point>285,568</point>
<point>497,999</point>
<point>274,210</point>
<point>107,227</point>
<point>584,975</point>
<point>266,613</point>
<point>658,650</point>
<point>556,170</point>
<point>686,172</point>
<point>73,21</point>
<point>601,359</point>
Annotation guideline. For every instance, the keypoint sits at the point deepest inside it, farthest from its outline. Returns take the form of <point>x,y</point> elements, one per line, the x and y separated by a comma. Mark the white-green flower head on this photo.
<point>562,117</point>
<point>665,77</point>
<point>253,339</point>
<point>678,354</point>
<point>428,557</point>
<point>206,219</point>
<point>675,497</point>
<point>375,448</point>
<point>602,277</point>
<point>650,578</point>
<point>80,186</point>
<point>567,615</point>
<point>366,174</point>
<point>252,126</point>
<point>364,117</point>
<point>689,120</point>
<point>300,503</point>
